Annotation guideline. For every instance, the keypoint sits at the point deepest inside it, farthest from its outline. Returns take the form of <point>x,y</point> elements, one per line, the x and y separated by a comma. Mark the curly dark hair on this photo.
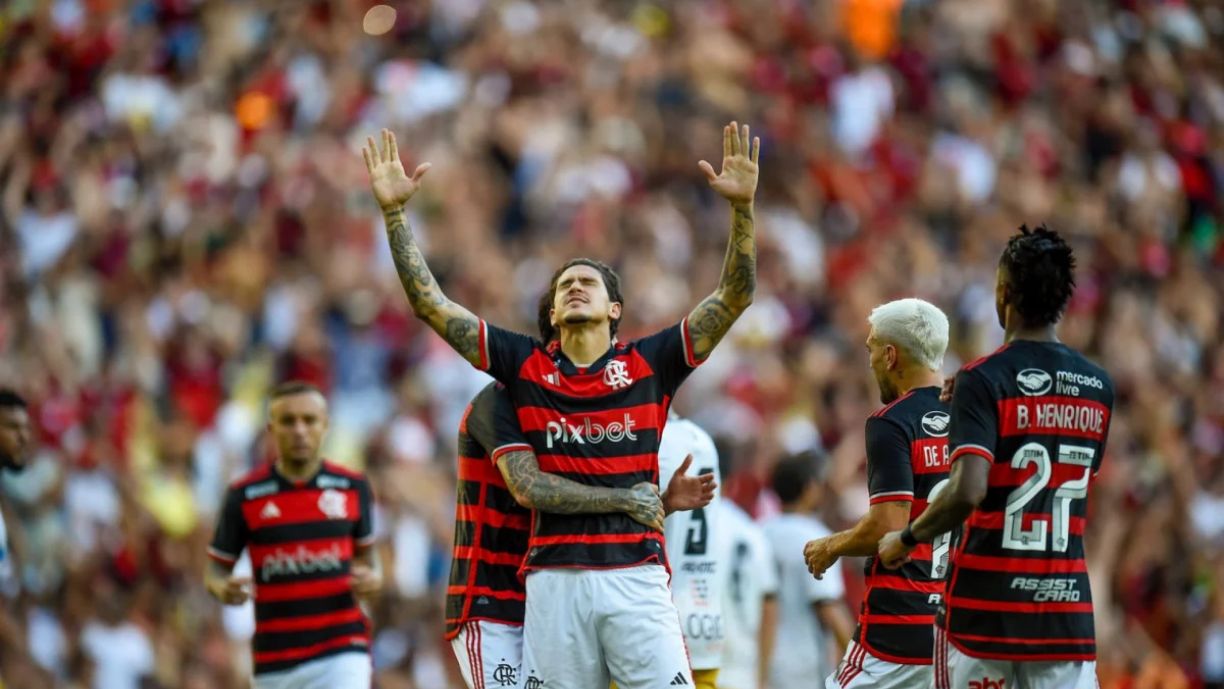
<point>1039,271</point>
<point>611,282</point>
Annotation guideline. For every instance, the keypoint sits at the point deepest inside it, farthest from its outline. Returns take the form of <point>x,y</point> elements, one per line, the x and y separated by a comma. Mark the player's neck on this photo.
<point>1043,333</point>
<point>299,471</point>
<point>583,344</point>
<point>921,378</point>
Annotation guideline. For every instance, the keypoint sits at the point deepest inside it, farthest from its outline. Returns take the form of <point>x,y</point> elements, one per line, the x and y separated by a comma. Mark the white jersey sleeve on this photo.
<point>696,584</point>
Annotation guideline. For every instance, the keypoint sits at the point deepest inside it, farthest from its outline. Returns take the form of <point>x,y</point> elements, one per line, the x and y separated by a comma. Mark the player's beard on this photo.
<point>888,391</point>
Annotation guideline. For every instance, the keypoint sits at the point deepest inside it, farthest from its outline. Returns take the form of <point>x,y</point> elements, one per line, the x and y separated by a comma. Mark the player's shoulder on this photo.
<point>918,413</point>
<point>259,474</point>
<point>340,476</point>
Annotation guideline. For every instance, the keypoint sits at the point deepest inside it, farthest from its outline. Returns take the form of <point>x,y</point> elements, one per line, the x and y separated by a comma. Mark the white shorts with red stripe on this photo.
<point>490,654</point>
<point>956,670</point>
<point>861,670</point>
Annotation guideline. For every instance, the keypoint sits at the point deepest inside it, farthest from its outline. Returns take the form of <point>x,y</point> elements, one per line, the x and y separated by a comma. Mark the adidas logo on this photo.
<point>270,511</point>
<point>679,680</point>
<point>552,378</point>
<point>483,600</point>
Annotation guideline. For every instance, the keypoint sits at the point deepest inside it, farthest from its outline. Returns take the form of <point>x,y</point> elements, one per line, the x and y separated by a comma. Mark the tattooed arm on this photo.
<point>392,189</point>
<point>538,490</point>
<point>713,317</point>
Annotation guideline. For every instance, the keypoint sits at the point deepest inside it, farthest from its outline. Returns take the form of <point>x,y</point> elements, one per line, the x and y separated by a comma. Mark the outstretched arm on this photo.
<point>392,188</point>
<point>539,490</point>
<point>712,318</point>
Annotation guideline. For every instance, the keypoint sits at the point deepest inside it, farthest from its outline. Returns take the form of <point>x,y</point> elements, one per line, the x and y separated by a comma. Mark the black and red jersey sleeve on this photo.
<point>230,536</point>
<point>890,475</point>
<point>975,417</point>
<point>493,423</point>
<point>502,352</point>
<point>670,353</point>
<point>363,530</point>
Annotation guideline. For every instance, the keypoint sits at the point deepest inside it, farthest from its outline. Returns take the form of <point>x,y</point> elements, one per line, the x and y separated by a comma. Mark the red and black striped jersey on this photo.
<point>1018,589</point>
<point>600,426</point>
<point>301,537</point>
<point>491,528</point>
<point>907,460</point>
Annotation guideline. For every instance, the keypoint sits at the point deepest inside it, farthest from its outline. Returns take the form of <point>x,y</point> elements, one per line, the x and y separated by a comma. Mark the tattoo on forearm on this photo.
<point>454,323</point>
<point>715,315</point>
<point>550,493</point>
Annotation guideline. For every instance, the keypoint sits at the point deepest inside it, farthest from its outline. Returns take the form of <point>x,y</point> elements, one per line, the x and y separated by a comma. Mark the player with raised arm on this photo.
<point>485,597</point>
<point>907,464</point>
<point>1028,430</point>
<point>593,410</point>
<point>308,526</point>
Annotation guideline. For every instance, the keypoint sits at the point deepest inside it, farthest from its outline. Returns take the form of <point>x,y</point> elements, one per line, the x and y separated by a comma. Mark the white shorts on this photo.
<point>350,670</point>
<point>490,654</point>
<point>956,670</point>
<point>861,670</point>
<point>586,627</point>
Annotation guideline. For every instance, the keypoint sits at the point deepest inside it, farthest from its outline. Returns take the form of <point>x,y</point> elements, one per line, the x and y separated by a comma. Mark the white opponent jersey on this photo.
<point>802,645</point>
<point>749,576</point>
<point>690,545</point>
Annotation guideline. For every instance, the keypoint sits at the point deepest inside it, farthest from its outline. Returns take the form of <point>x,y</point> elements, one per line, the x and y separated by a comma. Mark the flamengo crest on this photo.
<point>616,375</point>
<point>333,505</point>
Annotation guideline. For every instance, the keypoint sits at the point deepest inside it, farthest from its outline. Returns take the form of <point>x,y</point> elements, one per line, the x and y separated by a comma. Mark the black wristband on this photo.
<point>907,537</point>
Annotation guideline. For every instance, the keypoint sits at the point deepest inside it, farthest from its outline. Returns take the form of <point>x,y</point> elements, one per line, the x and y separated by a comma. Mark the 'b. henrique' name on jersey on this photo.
<point>1018,583</point>
<point>301,538</point>
<point>600,426</point>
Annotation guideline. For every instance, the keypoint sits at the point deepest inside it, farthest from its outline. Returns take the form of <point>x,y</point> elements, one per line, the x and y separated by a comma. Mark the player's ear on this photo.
<point>614,311</point>
<point>891,357</point>
<point>552,317</point>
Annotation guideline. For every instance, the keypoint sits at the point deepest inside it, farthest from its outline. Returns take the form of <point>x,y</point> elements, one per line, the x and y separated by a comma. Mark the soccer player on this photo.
<point>14,446</point>
<point>307,523</point>
<point>808,608</point>
<point>907,463</point>
<point>696,583</point>
<point>750,598</point>
<point>500,482</point>
<point>1028,430</point>
<point>593,409</point>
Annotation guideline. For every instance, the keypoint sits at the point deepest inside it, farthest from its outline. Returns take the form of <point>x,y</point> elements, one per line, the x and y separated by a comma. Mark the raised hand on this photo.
<point>645,506</point>
<point>686,492</point>
<point>391,185</point>
<point>738,180</point>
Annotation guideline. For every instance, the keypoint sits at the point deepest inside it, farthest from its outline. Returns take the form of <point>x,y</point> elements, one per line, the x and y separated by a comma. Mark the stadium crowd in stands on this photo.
<point>185,221</point>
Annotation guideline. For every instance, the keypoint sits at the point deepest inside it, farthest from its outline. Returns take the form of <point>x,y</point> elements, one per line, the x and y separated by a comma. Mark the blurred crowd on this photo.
<point>185,220</point>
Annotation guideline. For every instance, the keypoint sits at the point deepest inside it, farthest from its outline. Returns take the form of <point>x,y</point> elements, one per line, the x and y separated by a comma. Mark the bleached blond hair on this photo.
<point>915,326</point>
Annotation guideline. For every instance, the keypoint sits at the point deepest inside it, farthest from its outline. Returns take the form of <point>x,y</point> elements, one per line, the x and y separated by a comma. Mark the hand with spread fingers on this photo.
<point>686,492</point>
<point>391,185</point>
<point>737,182</point>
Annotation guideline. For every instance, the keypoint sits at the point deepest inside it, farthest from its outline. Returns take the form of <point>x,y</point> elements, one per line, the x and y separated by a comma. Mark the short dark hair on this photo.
<point>294,387</point>
<point>794,473</point>
<point>9,399</point>
<point>1039,270</point>
<point>611,282</point>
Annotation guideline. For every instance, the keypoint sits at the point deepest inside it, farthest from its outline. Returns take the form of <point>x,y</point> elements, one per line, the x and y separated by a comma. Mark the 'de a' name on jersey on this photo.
<point>1018,583</point>
<point>491,528</point>
<point>907,460</point>
<point>301,538</point>
<point>600,426</point>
